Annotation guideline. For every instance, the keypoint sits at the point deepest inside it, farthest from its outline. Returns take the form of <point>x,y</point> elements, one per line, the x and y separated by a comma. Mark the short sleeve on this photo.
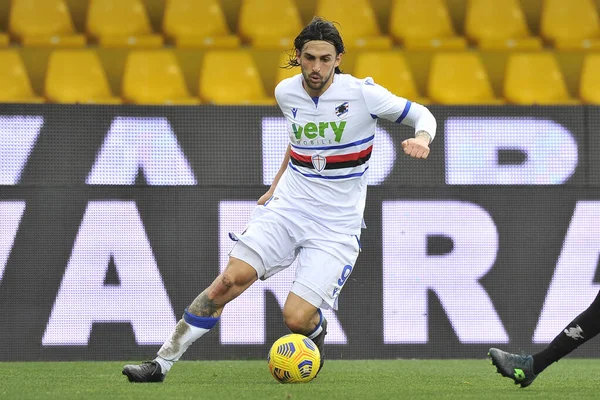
<point>382,103</point>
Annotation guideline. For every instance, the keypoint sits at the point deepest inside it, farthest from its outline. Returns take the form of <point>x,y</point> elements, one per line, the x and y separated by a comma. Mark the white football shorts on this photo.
<point>271,242</point>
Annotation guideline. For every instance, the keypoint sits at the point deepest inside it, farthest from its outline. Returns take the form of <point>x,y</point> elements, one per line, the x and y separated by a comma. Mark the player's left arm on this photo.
<point>384,104</point>
<point>420,118</point>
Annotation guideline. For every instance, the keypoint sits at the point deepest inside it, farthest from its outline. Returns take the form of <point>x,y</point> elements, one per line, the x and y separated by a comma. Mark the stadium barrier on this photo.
<point>112,219</point>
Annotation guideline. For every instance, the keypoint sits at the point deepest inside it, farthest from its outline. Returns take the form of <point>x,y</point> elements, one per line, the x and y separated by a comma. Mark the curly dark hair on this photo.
<point>318,29</point>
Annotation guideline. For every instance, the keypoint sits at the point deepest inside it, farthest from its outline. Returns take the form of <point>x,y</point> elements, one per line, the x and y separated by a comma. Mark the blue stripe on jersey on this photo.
<point>328,177</point>
<point>342,146</point>
<point>404,112</point>
<point>373,116</point>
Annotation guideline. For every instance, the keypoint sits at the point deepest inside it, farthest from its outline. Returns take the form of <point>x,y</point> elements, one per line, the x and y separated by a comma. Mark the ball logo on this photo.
<point>319,162</point>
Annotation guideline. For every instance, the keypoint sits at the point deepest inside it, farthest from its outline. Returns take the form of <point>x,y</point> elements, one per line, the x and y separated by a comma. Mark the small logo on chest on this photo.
<point>319,162</point>
<point>294,112</point>
<point>341,110</point>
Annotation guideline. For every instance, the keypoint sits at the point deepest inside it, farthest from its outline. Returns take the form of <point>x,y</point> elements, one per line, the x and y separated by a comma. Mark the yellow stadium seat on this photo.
<point>77,76</point>
<point>15,86</point>
<point>121,23</point>
<point>284,72</point>
<point>357,23</point>
<point>589,86</point>
<point>390,70</point>
<point>459,78</point>
<point>154,77</point>
<point>269,24</point>
<point>43,23</point>
<point>571,24</point>
<point>423,24</point>
<point>499,24</point>
<point>197,24</point>
<point>535,78</point>
<point>231,77</point>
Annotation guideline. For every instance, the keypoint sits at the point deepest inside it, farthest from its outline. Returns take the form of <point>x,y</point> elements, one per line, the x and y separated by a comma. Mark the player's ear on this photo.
<point>298,56</point>
<point>338,60</point>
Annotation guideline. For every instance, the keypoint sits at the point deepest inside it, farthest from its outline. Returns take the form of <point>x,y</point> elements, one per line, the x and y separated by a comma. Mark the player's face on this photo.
<point>318,61</point>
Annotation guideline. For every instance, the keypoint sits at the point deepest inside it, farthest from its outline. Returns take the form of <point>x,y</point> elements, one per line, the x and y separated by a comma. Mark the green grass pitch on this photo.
<point>239,380</point>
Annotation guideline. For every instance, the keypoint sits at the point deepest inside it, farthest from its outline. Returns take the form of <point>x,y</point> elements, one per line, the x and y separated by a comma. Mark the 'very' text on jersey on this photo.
<point>313,130</point>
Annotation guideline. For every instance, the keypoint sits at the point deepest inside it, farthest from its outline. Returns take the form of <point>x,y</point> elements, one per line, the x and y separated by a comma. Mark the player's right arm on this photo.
<point>286,159</point>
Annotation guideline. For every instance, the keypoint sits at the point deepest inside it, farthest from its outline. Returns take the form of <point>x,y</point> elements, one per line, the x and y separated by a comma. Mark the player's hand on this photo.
<point>417,147</point>
<point>263,199</point>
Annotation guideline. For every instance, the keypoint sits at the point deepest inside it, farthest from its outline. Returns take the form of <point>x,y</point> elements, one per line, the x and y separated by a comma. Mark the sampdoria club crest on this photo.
<point>319,162</point>
<point>341,110</point>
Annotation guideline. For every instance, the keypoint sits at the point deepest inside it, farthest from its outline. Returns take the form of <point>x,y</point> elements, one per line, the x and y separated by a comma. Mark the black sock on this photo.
<point>584,327</point>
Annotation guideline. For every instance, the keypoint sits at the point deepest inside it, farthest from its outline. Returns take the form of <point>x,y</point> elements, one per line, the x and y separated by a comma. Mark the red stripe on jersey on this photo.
<point>351,156</point>
<point>334,159</point>
<point>300,157</point>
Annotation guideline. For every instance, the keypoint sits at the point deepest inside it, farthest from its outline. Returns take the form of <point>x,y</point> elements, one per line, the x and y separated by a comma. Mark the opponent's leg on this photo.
<point>524,369</point>
<point>198,319</point>
<point>583,328</point>
<point>517,367</point>
<point>302,317</point>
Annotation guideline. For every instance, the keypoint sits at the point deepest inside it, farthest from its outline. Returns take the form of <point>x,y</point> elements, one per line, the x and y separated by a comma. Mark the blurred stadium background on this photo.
<point>134,134</point>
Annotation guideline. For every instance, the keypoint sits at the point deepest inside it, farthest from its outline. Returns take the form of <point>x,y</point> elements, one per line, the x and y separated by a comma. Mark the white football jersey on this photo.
<point>332,140</point>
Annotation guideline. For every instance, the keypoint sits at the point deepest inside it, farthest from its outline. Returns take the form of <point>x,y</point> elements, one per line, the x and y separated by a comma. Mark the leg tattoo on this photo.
<point>202,306</point>
<point>205,306</point>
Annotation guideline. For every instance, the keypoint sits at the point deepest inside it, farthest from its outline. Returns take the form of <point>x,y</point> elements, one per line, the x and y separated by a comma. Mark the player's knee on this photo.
<point>231,283</point>
<point>222,285</point>
<point>296,321</point>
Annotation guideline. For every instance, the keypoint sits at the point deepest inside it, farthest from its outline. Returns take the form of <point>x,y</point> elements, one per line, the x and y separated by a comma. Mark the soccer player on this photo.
<point>313,210</point>
<point>523,369</point>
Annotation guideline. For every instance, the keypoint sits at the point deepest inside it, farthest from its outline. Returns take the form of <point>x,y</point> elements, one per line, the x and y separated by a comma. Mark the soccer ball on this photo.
<point>294,358</point>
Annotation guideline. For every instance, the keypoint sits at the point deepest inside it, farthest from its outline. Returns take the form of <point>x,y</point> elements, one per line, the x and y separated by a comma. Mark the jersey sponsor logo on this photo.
<point>313,130</point>
<point>319,162</point>
<point>341,110</point>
